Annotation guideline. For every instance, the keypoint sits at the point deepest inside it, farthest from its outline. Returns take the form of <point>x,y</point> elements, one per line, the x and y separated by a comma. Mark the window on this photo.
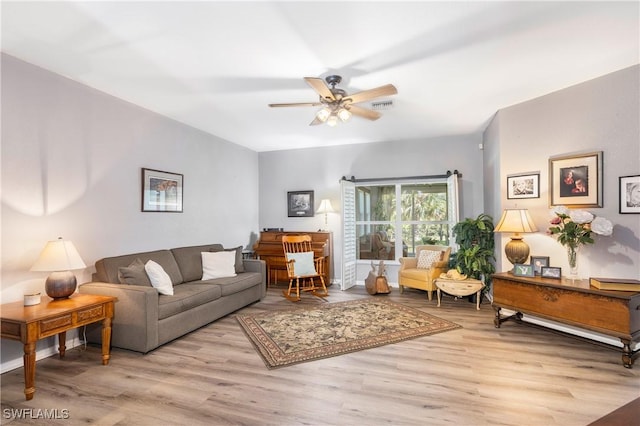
<point>392,218</point>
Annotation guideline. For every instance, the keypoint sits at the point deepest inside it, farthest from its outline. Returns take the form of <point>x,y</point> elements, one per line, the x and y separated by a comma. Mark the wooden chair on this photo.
<point>303,267</point>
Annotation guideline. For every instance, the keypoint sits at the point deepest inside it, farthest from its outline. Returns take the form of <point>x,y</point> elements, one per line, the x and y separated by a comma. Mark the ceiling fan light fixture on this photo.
<point>332,120</point>
<point>323,114</point>
<point>344,114</point>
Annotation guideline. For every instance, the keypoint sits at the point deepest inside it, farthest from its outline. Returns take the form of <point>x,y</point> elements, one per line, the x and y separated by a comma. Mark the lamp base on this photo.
<point>60,285</point>
<point>517,251</point>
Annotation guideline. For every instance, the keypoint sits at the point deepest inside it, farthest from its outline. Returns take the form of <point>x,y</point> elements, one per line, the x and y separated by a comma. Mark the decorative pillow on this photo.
<point>134,274</point>
<point>303,263</point>
<point>239,266</point>
<point>160,280</point>
<point>218,264</point>
<point>428,257</point>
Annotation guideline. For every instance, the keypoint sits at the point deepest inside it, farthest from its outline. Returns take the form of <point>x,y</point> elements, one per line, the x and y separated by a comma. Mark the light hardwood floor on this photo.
<point>477,375</point>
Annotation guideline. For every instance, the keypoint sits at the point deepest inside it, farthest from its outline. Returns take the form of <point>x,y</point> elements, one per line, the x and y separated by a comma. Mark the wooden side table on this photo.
<point>29,324</point>
<point>460,288</point>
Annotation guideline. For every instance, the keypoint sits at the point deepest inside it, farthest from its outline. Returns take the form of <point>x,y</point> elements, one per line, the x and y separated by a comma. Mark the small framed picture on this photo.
<point>523,186</point>
<point>630,194</point>
<point>300,203</point>
<point>576,180</point>
<point>161,191</point>
<point>538,262</point>
<point>522,270</point>
<point>551,272</point>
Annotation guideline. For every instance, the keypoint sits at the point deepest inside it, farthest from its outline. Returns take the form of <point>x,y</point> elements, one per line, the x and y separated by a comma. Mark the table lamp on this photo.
<point>325,207</point>
<point>516,221</point>
<point>59,257</point>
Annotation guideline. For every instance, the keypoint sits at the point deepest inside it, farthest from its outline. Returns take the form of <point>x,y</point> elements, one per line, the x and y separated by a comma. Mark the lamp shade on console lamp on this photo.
<point>517,221</point>
<point>59,257</point>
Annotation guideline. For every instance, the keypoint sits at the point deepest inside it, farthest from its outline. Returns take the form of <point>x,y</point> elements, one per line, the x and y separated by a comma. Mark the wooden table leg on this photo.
<point>29,361</point>
<point>106,340</point>
<point>438,294</point>
<point>62,343</point>
<point>478,299</point>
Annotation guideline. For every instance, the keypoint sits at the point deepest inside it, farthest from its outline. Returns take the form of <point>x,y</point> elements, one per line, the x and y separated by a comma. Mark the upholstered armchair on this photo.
<point>422,271</point>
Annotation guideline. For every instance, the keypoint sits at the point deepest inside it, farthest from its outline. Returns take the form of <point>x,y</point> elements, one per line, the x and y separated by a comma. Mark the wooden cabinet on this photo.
<point>269,249</point>
<point>576,303</point>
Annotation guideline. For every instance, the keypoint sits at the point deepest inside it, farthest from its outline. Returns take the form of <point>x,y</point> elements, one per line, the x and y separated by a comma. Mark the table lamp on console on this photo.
<point>59,257</point>
<point>517,221</point>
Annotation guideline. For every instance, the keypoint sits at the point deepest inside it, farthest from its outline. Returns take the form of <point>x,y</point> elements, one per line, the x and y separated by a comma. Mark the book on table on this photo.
<point>621,284</point>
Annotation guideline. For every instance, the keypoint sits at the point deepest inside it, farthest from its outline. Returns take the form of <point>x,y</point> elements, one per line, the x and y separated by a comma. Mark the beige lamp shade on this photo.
<point>59,257</point>
<point>325,207</point>
<point>516,221</point>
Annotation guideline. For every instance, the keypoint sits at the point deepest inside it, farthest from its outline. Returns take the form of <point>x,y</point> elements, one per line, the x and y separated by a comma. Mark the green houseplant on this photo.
<point>476,252</point>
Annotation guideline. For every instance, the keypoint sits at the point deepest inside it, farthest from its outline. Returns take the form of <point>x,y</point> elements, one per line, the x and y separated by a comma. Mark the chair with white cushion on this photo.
<point>422,271</point>
<point>303,268</point>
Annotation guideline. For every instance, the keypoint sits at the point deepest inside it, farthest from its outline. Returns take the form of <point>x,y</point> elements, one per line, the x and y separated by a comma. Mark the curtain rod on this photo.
<point>353,178</point>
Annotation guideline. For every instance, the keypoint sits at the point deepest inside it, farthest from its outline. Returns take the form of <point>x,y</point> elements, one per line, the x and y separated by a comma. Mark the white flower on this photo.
<point>580,216</point>
<point>560,210</point>
<point>602,226</point>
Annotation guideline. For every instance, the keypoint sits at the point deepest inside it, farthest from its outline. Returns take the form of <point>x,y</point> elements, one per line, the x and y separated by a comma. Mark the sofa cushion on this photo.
<point>134,274</point>
<point>426,258</point>
<point>218,264</point>
<point>160,280</point>
<point>107,268</point>
<point>189,260</point>
<point>231,285</point>
<point>239,265</point>
<point>185,297</point>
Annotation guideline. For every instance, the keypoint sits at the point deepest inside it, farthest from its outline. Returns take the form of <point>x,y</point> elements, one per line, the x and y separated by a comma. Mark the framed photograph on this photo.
<point>538,262</point>
<point>300,203</point>
<point>551,272</point>
<point>630,194</point>
<point>521,270</point>
<point>523,186</point>
<point>161,191</point>
<point>576,180</point>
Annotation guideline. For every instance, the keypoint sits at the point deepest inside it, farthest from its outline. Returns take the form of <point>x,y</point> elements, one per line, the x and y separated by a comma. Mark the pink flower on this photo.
<point>555,221</point>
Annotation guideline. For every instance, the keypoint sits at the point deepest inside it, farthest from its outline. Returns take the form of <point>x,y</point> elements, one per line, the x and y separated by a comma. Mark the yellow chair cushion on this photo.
<point>417,274</point>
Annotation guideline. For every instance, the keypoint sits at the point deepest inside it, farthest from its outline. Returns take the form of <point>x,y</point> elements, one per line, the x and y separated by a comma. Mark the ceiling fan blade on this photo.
<point>298,104</point>
<point>365,95</point>
<point>320,87</point>
<point>364,112</point>
<point>315,122</point>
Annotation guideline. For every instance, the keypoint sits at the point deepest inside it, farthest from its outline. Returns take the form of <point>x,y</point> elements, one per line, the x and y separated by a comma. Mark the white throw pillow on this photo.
<point>303,264</point>
<point>428,258</point>
<point>218,264</point>
<point>160,280</point>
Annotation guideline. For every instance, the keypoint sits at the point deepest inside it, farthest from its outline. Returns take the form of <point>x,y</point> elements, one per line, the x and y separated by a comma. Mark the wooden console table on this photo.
<point>29,324</point>
<point>576,303</point>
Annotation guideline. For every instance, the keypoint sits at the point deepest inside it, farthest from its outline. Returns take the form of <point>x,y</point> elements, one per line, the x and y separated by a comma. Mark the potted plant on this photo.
<point>476,252</point>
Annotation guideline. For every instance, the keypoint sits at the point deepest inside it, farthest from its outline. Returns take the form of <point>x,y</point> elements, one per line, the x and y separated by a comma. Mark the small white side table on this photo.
<point>460,288</point>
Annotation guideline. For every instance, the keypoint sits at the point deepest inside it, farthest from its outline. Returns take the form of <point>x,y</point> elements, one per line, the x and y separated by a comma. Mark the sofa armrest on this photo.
<point>135,321</point>
<point>257,265</point>
<point>408,263</point>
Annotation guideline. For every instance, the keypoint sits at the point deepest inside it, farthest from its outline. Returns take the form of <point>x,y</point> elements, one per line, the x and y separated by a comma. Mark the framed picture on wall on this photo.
<point>576,180</point>
<point>630,194</point>
<point>523,186</point>
<point>161,191</point>
<point>300,203</point>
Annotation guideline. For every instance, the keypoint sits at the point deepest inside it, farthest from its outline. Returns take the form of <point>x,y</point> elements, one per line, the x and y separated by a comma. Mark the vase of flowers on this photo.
<point>573,229</point>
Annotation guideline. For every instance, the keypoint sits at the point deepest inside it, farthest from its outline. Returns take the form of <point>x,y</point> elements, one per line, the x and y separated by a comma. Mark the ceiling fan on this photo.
<point>337,104</point>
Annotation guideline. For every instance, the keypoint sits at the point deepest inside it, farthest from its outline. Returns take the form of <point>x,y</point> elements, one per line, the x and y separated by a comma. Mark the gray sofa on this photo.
<point>144,319</point>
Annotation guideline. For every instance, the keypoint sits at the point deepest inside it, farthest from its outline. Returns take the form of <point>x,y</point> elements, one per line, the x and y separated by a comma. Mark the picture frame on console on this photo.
<point>576,180</point>
<point>524,185</point>
<point>538,262</point>
<point>629,194</point>
<point>161,191</point>
<point>551,272</point>
<point>523,270</point>
<point>300,204</point>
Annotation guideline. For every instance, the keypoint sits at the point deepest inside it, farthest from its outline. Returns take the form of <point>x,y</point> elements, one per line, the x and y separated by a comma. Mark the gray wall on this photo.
<point>71,167</point>
<point>320,169</point>
<point>599,115</point>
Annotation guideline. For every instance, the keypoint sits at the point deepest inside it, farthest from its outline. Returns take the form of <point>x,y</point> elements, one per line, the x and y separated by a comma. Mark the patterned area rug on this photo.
<point>290,337</point>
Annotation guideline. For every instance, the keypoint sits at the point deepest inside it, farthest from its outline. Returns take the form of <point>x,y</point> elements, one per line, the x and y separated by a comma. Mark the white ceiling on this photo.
<point>216,65</point>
